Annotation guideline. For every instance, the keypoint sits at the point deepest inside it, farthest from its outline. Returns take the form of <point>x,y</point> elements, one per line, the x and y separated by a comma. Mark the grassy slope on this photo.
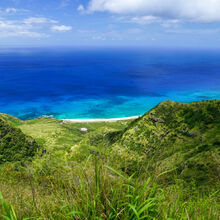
<point>172,136</point>
<point>10,120</point>
<point>54,134</point>
<point>183,137</point>
<point>14,145</point>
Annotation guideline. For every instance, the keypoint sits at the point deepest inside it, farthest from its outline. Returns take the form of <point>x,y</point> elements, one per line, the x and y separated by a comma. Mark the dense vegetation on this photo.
<point>15,145</point>
<point>164,165</point>
<point>184,138</point>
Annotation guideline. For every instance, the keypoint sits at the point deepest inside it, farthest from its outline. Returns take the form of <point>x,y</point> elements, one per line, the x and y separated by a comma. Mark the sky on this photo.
<point>110,23</point>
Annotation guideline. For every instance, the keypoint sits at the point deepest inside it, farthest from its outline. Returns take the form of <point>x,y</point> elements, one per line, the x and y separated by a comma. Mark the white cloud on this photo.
<point>16,28</point>
<point>61,28</point>
<point>190,10</point>
<point>144,19</point>
<point>34,27</point>
<point>14,11</point>
<point>38,20</point>
<point>80,8</point>
<point>11,10</point>
<point>171,23</point>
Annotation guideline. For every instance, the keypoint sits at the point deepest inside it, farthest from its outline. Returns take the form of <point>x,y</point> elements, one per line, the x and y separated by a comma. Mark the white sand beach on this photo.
<point>98,120</point>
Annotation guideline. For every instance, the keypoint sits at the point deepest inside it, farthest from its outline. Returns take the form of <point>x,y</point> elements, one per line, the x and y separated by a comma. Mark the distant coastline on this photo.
<point>98,120</point>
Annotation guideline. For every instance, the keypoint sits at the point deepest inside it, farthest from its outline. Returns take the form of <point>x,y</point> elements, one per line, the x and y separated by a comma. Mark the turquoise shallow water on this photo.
<point>104,83</point>
<point>104,108</point>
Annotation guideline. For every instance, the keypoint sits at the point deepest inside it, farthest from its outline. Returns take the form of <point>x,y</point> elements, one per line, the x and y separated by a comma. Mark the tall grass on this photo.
<point>9,213</point>
<point>94,190</point>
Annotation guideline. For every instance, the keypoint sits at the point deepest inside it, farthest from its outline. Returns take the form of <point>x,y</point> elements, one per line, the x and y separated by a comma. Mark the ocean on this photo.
<point>79,83</point>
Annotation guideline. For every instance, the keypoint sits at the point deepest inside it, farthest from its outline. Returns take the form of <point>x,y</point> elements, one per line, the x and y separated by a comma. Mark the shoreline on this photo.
<point>98,120</point>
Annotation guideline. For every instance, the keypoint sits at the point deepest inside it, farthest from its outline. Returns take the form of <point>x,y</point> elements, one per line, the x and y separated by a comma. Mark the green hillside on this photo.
<point>164,165</point>
<point>175,135</point>
<point>184,138</point>
<point>15,145</point>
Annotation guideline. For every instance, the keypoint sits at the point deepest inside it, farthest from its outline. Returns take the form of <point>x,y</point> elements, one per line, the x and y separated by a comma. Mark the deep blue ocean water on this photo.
<point>103,83</point>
